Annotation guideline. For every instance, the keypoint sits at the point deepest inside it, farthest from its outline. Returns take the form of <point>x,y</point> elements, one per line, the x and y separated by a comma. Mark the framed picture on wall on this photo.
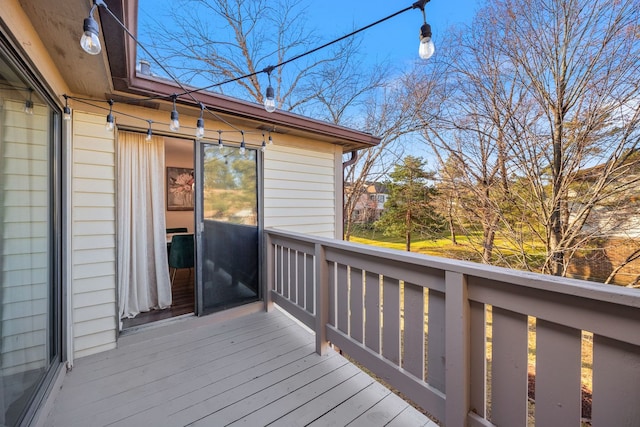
<point>180,187</point>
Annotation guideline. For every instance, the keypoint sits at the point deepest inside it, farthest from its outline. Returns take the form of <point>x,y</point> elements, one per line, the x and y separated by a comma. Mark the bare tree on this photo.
<point>579,61</point>
<point>537,93</point>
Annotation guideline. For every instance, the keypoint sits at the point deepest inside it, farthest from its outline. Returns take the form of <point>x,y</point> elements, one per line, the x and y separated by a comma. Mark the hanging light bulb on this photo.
<point>220,145</point>
<point>264,144</point>
<point>270,139</point>
<point>200,124</point>
<point>110,124</point>
<point>66,112</point>
<point>270,99</point>
<point>243,148</point>
<point>149,132</point>
<point>427,48</point>
<point>28,104</point>
<point>174,124</point>
<point>90,41</point>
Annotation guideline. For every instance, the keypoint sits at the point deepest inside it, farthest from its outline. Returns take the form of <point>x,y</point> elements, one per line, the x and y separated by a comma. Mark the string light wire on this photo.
<point>420,4</point>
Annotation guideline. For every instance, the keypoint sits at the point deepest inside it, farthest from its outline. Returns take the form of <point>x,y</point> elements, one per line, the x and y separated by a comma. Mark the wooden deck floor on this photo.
<point>257,370</point>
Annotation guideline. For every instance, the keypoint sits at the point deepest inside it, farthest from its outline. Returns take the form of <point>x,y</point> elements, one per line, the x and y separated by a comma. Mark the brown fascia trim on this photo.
<point>121,51</point>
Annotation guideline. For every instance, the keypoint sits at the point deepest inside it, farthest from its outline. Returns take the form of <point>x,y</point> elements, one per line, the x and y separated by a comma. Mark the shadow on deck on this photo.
<point>256,370</point>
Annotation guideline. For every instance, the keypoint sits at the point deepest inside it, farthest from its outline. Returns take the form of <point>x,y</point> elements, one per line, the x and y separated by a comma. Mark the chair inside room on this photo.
<point>177,230</point>
<point>181,254</point>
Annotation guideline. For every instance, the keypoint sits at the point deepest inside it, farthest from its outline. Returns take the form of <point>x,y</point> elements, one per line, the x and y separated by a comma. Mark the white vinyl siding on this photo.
<point>93,230</point>
<point>25,244</point>
<point>299,190</point>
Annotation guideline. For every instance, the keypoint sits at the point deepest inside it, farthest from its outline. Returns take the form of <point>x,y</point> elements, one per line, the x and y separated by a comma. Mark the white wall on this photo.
<point>300,189</point>
<point>93,232</point>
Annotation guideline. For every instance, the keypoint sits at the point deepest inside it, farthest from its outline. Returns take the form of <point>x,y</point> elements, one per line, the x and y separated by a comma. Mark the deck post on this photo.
<point>457,347</point>
<point>322,299</point>
<point>270,273</point>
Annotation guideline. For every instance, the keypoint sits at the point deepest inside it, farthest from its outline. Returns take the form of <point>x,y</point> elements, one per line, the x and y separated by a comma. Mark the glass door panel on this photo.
<point>228,233</point>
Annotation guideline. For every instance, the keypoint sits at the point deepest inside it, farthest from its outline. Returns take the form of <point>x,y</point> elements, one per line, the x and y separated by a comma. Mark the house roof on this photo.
<point>113,74</point>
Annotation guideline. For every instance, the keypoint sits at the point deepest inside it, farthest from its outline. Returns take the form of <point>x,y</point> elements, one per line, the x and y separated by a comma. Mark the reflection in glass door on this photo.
<point>228,257</point>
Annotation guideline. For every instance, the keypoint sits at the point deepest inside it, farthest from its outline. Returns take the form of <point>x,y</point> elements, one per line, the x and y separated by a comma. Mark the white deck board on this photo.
<point>256,370</point>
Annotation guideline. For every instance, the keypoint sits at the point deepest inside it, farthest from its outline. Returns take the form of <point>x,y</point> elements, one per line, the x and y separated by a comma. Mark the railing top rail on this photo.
<point>567,286</point>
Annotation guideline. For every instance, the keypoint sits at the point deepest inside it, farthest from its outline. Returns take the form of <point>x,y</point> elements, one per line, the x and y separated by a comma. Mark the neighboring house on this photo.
<point>370,203</point>
<point>72,217</point>
<point>613,224</point>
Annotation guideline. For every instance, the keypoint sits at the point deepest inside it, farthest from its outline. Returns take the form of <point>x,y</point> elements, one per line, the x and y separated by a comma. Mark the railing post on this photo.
<point>457,347</point>
<point>270,272</point>
<point>322,299</point>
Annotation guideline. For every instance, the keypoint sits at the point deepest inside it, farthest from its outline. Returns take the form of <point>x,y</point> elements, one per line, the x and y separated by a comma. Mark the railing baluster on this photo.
<point>616,383</point>
<point>372,311</point>
<point>342,303</point>
<point>509,368</point>
<point>436,340</point>
<point>413,359</point>
<point>356,303</point>
<point>391,320</point>
<point>300,279</point>
<point>558,351</point>
<point>478,358</point>
<point>310,285</point>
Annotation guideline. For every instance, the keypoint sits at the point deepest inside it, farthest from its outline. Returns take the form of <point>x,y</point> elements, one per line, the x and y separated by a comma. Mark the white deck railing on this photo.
<point>454,337</point>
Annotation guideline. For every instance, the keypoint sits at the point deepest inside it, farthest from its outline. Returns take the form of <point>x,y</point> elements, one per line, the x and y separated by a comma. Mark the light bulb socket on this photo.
<point>90,25</point>
<point>425,31</point>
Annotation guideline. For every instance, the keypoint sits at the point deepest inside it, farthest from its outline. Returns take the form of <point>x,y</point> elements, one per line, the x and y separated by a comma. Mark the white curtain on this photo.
<point>143,272</point>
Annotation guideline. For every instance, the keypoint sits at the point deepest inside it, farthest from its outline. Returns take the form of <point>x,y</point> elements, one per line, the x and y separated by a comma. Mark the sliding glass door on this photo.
<point>30,248</point>
<point>227,218</point>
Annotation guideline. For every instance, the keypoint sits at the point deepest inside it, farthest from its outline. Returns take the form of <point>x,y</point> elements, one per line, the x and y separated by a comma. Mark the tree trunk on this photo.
<point>556,251</point>
<point>408,231</point>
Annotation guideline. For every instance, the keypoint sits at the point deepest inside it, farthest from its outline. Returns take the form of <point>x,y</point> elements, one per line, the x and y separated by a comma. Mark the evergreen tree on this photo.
<point>408,209</point>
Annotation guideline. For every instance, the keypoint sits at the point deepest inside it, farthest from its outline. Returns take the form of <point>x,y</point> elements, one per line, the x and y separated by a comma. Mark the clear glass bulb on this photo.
<point>264,147</point>
<point>148,137</point>
<point>200,129</point>
<point>270,101</point>
<point>427,48</point>
<point>66,115</point>
<point>109,125</point>
<point>270,105</point>
<point>270,140</point>
<point>90,41</point>
<point>243,150</point>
